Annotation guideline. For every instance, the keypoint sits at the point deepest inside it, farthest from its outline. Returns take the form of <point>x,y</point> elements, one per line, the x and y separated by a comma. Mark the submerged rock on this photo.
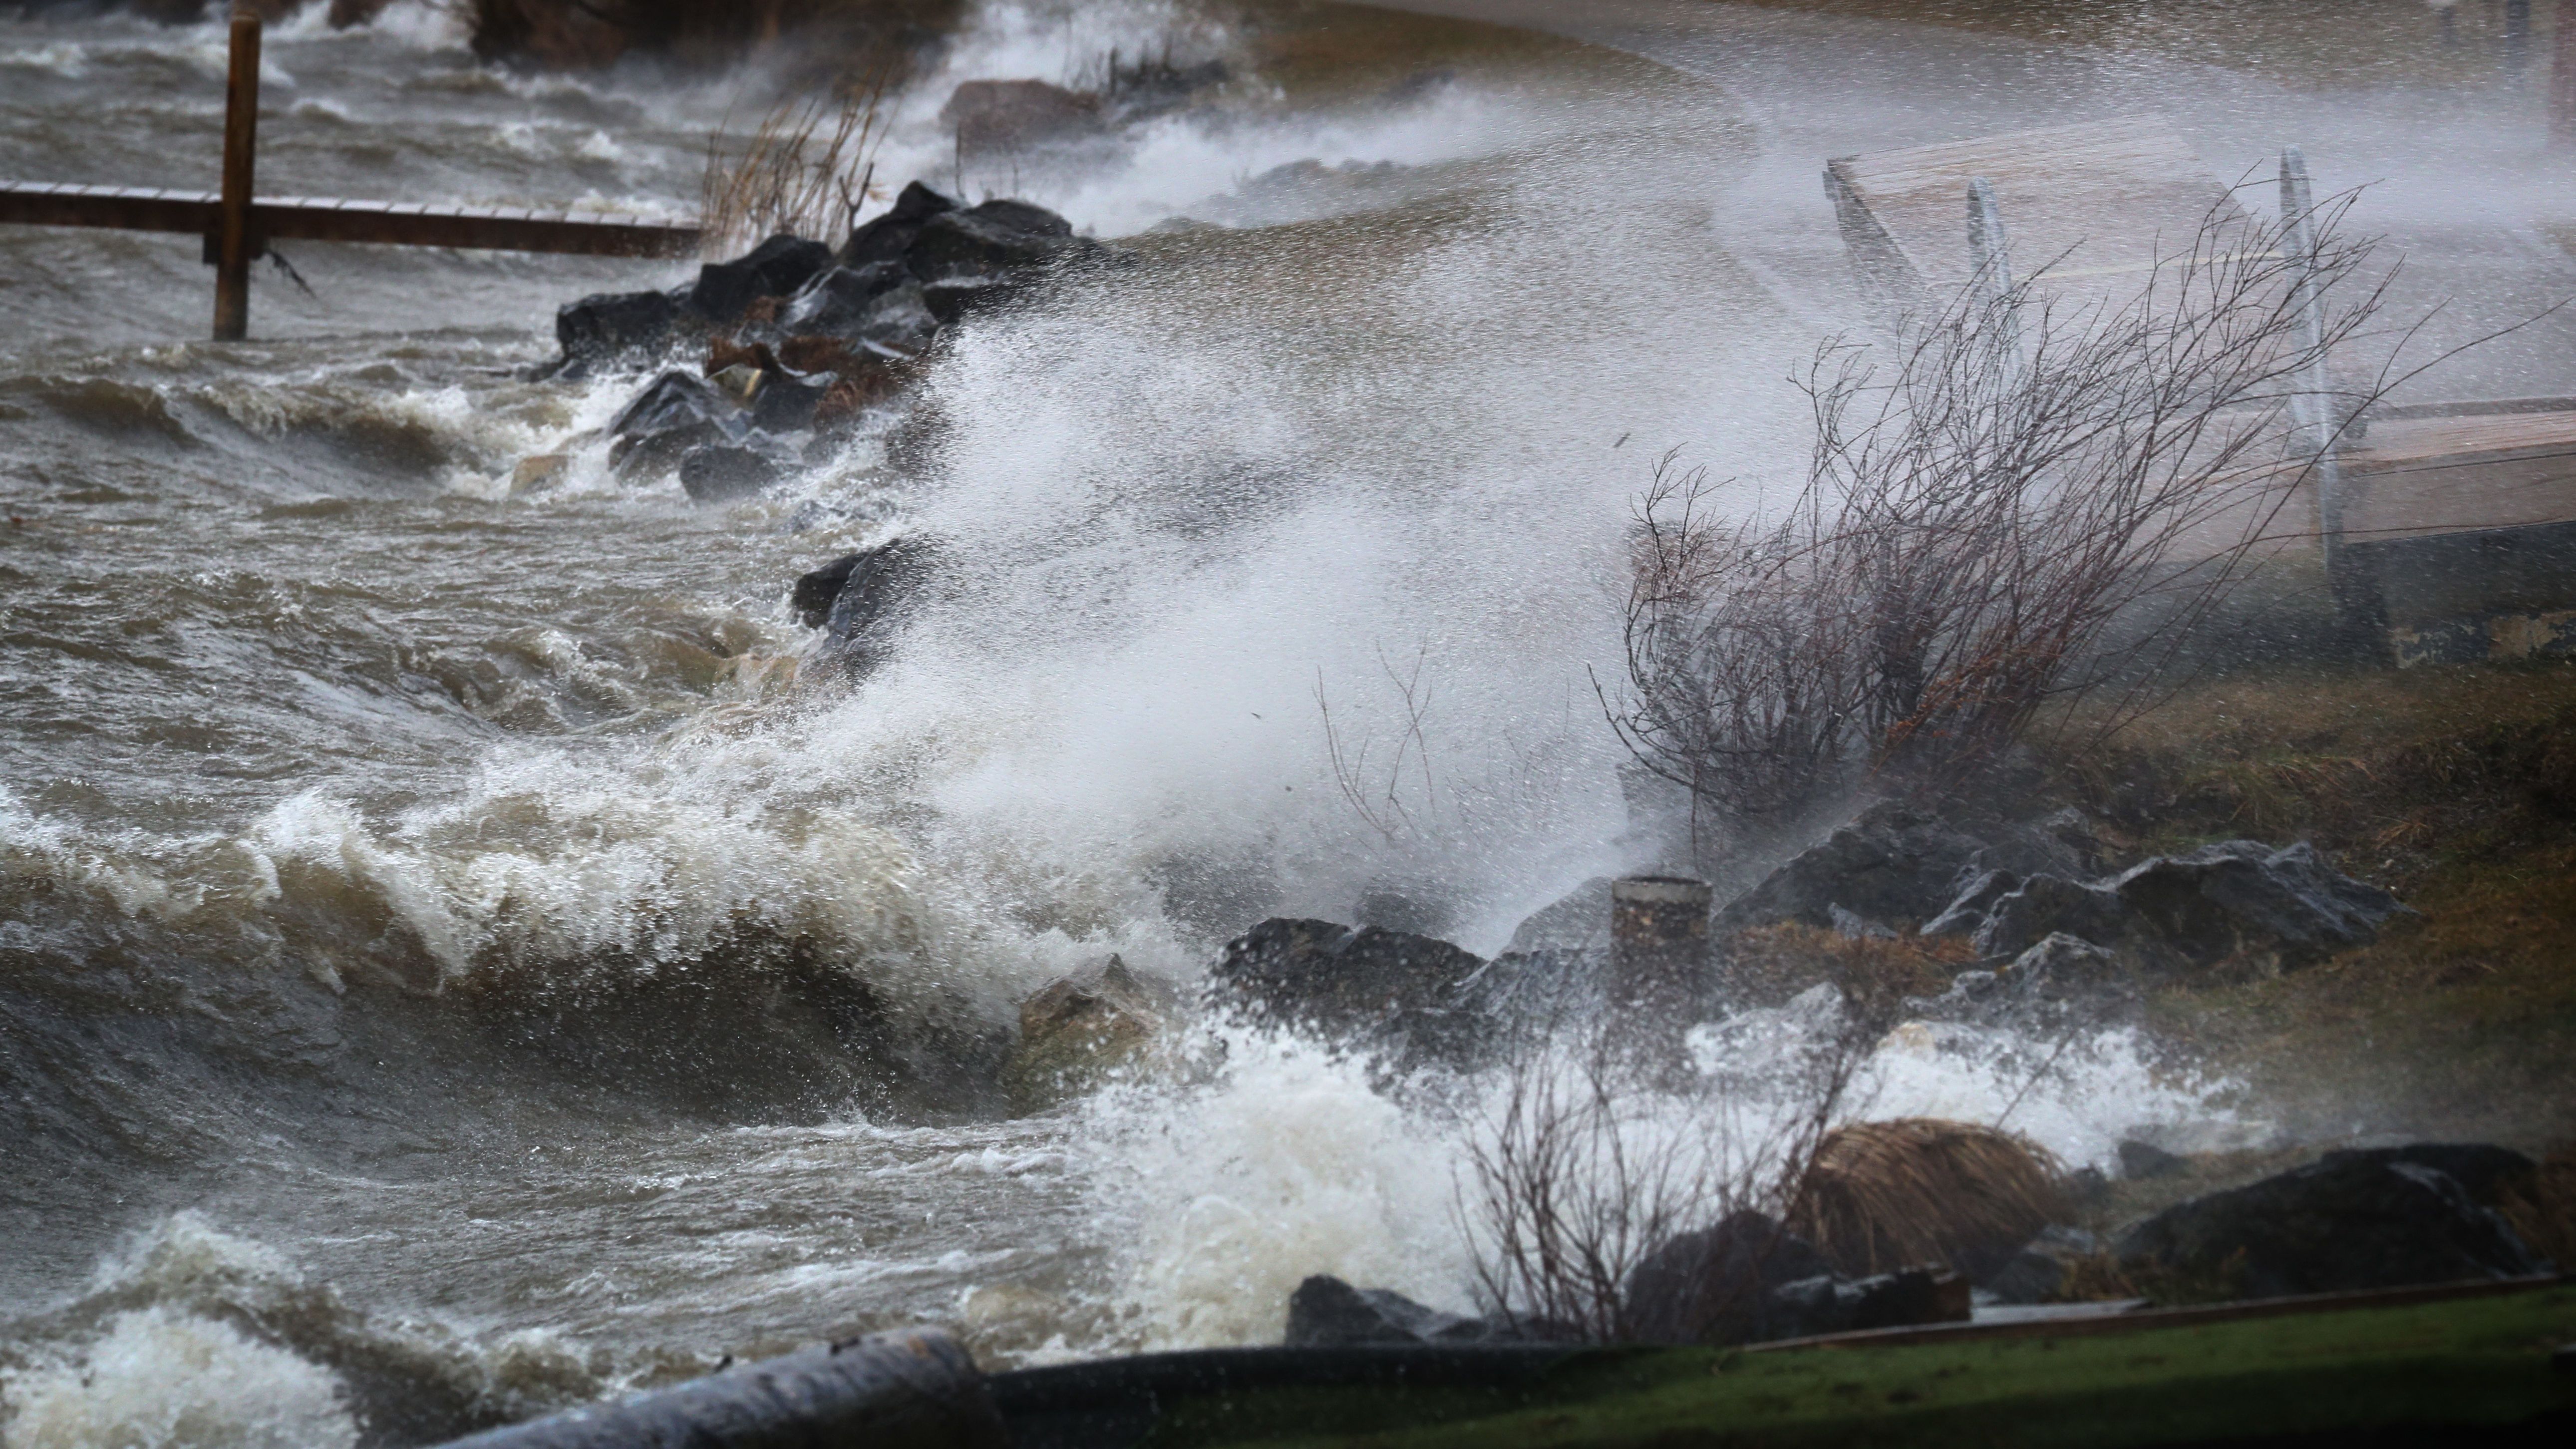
<point>675,413</point>
<point>724,472</point>
<point>1077,1031</point>
<point>2347,1222</point>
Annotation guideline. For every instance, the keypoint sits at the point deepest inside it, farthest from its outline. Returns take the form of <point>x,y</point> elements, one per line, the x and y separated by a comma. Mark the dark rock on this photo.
<point>778,267</point>
<point>877,587</point>
<point>1714,1285</point>
<point>2044,1268</point>
<point>899,323</point>
<point>1826,1304</point>
<point>2486,1172</point>
<point>953,299</point>
<point>1891,863</point>
<point>1967,910</point>
<point>888,235</point>
<point>610,325</point>
<point>814,592</point>
<point>2348,1222</point>
<point>675,399</point>
<point>678,411</point>
<point>1366,988</point>
<point>2047,905</point>
<point>997,236</point>
<point>2237,901</point>
<point>2065,969</point>
<point>2140,1161</point>
<point>1326,1312</point>
<point>836,303</point>
<point>785,402</point>
<point>723,472</point>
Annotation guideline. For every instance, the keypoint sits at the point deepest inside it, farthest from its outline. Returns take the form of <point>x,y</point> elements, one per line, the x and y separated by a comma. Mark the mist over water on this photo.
<point>464,952</point>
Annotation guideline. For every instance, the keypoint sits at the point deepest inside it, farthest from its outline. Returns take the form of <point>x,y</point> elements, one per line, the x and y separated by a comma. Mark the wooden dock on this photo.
<point>306,218</point>
<point>2095,203</point>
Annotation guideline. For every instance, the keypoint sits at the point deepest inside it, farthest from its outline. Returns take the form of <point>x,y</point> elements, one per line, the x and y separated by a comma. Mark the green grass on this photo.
<point>2461,1365</point>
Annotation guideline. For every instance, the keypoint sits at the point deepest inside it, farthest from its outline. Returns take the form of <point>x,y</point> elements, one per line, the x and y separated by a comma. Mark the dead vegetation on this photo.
<point>1879,1196</point>
<point>805,170</point>
<point>1586,1171</point>
<point>1981,502</point>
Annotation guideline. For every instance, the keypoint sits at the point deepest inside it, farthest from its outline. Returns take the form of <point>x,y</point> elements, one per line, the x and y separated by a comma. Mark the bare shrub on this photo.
<point>806,170</point>
<point>1983,497</point>
<point>1584,1173</point>
<point>1879,1196</point>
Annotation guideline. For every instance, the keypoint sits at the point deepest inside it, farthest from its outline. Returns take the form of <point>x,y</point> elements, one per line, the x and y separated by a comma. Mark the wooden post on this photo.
<point>234,245</point>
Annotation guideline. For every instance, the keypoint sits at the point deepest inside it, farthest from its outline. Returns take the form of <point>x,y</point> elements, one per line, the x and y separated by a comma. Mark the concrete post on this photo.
<point>1659,973</point>
<point>234,246</point>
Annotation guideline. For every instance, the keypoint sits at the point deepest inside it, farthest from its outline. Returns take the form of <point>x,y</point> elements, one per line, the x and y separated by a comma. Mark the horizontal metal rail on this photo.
<point>305,218</point>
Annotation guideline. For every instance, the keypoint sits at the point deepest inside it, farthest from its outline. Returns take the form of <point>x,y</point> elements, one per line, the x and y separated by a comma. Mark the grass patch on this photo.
<point>2455,788</point>
<point>2466,1364</point>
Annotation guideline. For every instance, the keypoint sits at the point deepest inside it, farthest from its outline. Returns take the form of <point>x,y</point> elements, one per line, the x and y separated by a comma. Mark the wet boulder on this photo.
<point>726,472</point>
<point>778,267</point>
<point>837,302</point>
<point>814,592</point>
<point>1906,1298</point>
<point>1891,863</point>
<point>2047,1269</point>
<point>676,412</point>
<point>886,236</point>
<point>1968,909</point>
<point>899,323</point>
<point>1326,1312</point>
<point>997,236</point>
<point>2237,901</point>
<point>879,585</point>
<point>1385,992</point>
<point>611,325</point>
<point>1714,1285</point>
<point>1078,1030</point>
<point>2347,1222</point>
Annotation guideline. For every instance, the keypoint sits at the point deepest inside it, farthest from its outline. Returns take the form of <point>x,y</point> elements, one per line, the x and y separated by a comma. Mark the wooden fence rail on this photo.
<point>238,226</point>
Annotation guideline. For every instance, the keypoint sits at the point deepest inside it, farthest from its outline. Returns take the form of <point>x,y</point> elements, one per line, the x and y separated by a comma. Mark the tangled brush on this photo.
<point>1879,1196</point>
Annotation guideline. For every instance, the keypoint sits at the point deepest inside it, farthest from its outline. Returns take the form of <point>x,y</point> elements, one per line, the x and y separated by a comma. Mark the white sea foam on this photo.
<point>162,1379</point>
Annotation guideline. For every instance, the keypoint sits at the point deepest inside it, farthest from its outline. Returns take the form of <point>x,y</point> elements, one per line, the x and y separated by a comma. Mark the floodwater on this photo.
<point>462,953</point>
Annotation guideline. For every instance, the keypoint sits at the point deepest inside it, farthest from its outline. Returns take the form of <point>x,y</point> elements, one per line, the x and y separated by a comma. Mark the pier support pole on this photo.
<point>234,247</point>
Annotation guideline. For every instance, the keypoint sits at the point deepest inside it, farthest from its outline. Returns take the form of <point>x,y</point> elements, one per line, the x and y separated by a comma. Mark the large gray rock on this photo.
<point>1713,1285</point>
<point>1326,1312</point>
<point>612,325</point>
<point>979,241</point>
<point>837,302</point>
<point>1894,863</point>
<point>2044,1269</point>
<point>1392,995</point>
<point>778,267</point>
<point>2237,901</point>
<point>675,413</point>
<point>886,236</point>
<point>2349,1221</point>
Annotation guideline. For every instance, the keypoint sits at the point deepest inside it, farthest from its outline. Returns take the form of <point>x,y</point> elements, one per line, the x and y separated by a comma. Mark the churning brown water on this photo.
<point>459,952</point>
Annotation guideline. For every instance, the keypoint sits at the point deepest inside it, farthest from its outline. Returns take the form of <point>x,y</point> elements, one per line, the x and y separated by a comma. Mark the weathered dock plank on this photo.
<point>304,218</point>
<point>2095,203</point>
